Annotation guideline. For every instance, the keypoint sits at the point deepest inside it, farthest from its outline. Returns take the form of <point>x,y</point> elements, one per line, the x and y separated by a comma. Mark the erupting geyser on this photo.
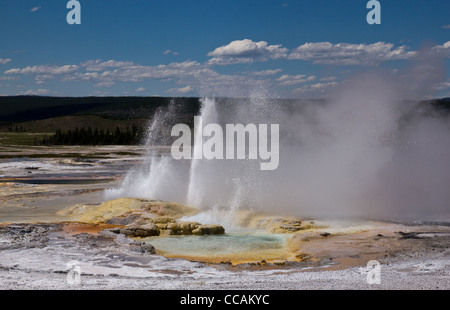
<point>365,151</point>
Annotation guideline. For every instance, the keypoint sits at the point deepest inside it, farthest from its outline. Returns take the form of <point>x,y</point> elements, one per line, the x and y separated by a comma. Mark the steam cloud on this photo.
<point>364,152</point>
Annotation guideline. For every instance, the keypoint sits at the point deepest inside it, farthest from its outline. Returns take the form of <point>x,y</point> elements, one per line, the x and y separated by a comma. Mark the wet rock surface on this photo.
<point>31,235</point>
<point>16,236</point>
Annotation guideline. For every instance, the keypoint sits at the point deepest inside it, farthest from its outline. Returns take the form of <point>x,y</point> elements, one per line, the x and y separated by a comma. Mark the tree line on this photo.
<point>89,136</point>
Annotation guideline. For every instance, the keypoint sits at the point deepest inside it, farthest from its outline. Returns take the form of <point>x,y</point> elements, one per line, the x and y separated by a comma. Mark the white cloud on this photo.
<point>166,52</point>
<point>188,72</point>
<point>288,80</point>
<point>9,78</point>
<point>34,9</point>
<point>4,60</point>
<point>201,76</point>
<point>349,54</point>
<point>191,69</point>
<point>44,77</point>
<point>442,50</point>
<point>100,93</point>
<point>314,89</point>
<point>446,26</point>
<point>105,74</point>
<point>183,90</point>
<point>99,65</point>
<point>46,69</point>
<point>38,92</point>
<point>442,86</point>
<point>105,84</point>
<point>266,72</point>
<point>245,51</point>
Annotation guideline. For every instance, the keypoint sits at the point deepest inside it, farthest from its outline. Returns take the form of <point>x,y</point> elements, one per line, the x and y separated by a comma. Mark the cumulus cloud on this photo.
<point>441,50</point>
<point>99,65</point>
<point>245,51</point>
<point>45,69</point>
<point>288,80</point>
<point>34,9</point>
<point>314,89</point>
<point>43,77</point>
<point>446,26</point>
<point>140,90</point>
<point>105,84</point>
<point>173,70</point>
<point>196,75</point>
<point>183,73</point>
<point>265,72</point>
<point>35,92</point>
<point>204,78</point>
<point>4,60</point>
<point>349,54</point>
<point>167,52</point>
<point>9,78</point>
<point>182,90</point>
<point>443,85</point>
<point>104,74</point>
<point>107,73</point>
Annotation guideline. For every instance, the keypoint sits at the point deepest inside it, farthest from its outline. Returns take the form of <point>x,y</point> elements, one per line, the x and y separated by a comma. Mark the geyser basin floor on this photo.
<point>38,260</point>
<point>36,182</point>
<point>229,248</point>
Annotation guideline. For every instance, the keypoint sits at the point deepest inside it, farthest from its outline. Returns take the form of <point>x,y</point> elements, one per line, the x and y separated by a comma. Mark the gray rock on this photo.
<point>123,220</point>
<point>147,248</point>
<point>146,230</point>
<point>209,230</point>
<point>122,239</point>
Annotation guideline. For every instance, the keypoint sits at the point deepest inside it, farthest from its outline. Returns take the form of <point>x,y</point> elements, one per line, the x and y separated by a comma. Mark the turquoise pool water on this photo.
<point>249,246</point>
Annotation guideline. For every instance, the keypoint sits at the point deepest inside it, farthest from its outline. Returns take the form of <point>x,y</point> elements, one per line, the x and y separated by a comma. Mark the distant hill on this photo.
<point>37,114</point>
<point>16,109</point>
<point>48,114</point>
<point>443,103</point>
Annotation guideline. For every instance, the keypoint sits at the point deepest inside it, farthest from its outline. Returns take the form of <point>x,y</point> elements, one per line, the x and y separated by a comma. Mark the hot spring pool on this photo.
<point>234,248</point>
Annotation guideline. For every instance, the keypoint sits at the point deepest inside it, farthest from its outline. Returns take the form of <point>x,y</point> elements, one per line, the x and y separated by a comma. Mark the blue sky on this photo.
<point>284,48</point>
